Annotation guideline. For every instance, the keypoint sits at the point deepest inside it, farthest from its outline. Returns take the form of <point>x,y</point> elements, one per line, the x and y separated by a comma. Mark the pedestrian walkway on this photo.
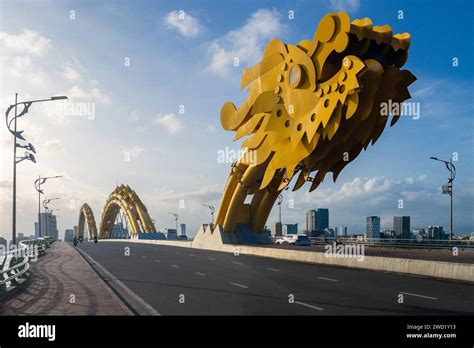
<point>63,283</point>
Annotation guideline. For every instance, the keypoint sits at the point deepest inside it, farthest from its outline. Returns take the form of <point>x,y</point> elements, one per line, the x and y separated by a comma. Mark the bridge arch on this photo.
<point>86,216</point>
<point>124,199</point>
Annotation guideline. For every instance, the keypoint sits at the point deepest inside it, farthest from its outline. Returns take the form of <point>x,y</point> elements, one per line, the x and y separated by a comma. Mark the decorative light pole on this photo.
<point>38,182</point>
<point>29,148</point>
<point>448,188</point>
<point>212,209</point>
<point>176,217</point>
<point>279,202</point>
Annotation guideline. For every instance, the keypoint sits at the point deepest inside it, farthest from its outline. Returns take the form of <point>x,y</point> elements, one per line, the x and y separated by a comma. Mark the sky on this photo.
<point>151,83</point>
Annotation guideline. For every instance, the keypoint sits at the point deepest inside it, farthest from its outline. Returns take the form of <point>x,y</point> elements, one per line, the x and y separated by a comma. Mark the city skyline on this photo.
<point>140,138</point>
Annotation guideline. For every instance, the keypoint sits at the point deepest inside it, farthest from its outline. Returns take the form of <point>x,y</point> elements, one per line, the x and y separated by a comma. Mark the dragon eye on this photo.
<point>295,76</point>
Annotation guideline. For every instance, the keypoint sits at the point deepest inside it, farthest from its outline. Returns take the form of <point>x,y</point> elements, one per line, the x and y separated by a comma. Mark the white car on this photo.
<point>294,239</point>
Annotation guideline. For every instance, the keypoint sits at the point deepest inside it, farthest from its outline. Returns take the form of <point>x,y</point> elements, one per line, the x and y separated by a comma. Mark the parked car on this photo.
<point>294,239</point>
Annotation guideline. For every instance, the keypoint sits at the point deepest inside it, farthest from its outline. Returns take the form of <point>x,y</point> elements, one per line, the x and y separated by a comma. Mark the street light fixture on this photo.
<point>38,183</point>
<point>46,201</point>
<point>176,217</point>
<point>18,135</point>
<point>212,209</point>
<point>448,188</point>
<point>279,202</point>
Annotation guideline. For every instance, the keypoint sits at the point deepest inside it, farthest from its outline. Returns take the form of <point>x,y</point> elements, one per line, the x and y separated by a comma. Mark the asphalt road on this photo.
<point>184,281</point>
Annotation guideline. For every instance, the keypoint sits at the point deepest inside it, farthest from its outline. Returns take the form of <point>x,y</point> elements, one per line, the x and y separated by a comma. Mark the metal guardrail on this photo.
<point>394,242</point>
<point>397,243</point>
<point>15,264</point>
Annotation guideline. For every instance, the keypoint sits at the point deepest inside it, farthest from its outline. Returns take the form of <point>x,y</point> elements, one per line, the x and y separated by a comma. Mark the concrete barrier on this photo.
<point>433,269</point>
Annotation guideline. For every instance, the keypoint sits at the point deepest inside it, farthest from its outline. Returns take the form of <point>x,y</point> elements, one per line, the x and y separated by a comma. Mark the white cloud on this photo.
<point>28,41</point>
<point>71,74</point>
<point>246,42</point>
<point>170,122</point>
<point>52,144</point>
<point>78,94</point>
<point>132,152</point>
<point>345,5</point>
<point>184,23</point>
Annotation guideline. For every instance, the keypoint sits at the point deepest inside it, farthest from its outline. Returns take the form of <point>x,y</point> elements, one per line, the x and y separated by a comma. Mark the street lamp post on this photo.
<point>176,217</point>
<point>17,135</point>
<point>448,189</point>
<point>38,183</point>
<point>212,209</point>
<point>279,202</point>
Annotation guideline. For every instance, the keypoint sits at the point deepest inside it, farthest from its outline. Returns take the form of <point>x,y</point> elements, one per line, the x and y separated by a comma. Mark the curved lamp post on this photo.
<point>38,183</point>
<point>176,217</point>
<point>212,209</point>
<point>29,148</point>
<point>448,188</point>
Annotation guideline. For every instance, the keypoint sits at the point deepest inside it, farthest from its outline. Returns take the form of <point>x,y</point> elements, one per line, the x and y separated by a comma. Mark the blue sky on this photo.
<point>139,137</point>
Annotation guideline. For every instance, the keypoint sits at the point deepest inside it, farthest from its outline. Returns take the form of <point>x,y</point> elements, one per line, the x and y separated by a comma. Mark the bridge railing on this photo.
<point>397,242</point>
<point>15,263</point>
<point>439,244</point>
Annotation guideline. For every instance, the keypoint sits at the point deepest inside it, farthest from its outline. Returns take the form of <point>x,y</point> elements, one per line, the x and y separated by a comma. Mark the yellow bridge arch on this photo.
<point>86,216</point>
<point>125,199</point>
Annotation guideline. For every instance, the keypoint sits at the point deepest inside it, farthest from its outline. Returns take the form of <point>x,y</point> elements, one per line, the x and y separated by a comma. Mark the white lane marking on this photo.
<point>236,263</point>
<point>211,258</point>
<point>191,255</point>
<point>201,274</point>
<point>144,257</point>
<point>156,260</point>
<point>310,306</point>
<point>240,285</point>
<point>328,279</point>
<point>416,295</point>
<point>118,283</point>
<point>273,269</point>
<point>175,266</point>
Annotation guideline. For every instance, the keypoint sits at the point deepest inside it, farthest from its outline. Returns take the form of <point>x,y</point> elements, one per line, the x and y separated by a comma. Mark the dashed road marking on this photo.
<point>273,269</point>
<point>236,263</point>
<point>211,258</point>
<point>191,255</point>
<point>309,306</point>
<point>240,285</point>
<point>201,274</point>
<point>175,266</point>
<point>416,295</point>
<point>328,279</point>
<point>156,260</point>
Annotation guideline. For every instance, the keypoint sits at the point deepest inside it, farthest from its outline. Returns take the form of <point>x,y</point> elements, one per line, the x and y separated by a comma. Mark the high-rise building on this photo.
<point>401,226</point>
<point>342,231</point>
<point>119,231</point>
<point>277,230</point>
<point>289,229</point>
<point>372,229</point>
<point>49,226</point>
<point>310,221</point>
<point>68,235</point>
<point>317,221</point>
<point>183,230</point>
<point>436,232</point>
<point>322,219</point>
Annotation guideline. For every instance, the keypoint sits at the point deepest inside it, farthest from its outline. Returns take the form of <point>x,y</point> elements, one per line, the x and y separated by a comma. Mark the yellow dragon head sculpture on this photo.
<point>312,107</point>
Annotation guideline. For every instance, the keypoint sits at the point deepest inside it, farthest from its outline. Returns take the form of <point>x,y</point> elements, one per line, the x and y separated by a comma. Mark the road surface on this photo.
<point>185,281</point>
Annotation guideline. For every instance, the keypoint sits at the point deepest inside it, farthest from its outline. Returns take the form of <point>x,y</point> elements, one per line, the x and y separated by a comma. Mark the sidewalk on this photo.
<point>62,283</point>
